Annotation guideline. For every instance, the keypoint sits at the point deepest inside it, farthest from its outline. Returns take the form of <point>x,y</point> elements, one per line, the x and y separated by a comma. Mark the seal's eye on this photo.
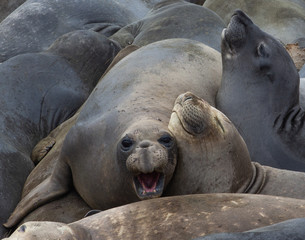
<point>126,143</point>
<point>166,140</point>
<point>187,98</point>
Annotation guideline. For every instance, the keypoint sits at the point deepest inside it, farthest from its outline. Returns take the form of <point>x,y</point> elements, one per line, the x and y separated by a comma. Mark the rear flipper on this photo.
<point>59,183</point>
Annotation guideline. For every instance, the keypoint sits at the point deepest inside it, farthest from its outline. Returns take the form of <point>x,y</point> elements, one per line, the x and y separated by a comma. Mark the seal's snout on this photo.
<point>234,36</point>
<point>242,17</point>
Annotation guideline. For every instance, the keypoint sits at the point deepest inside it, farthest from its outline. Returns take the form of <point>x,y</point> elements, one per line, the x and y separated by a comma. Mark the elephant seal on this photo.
<point>8,6</point>
<point>257,73</point>
<point>48,88</point>
<point>178,217</point>
<point>214,158</point>
<point>283,19</point>
<point>130,108</point>
<point>71,207</point>
<point>290,229</point>
<point>173,19</point>
<point>36,24</point>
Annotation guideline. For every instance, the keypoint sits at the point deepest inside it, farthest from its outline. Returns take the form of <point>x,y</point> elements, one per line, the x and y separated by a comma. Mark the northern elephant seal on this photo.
<point>214,158</point>
<point>259,92</point>
<point>38,92</point>
<point>71,207</point>
<point>36,24</point>
<point>283,19</point>
<point>8,6</point>
<point>289,229</point>
<point>173,19</point>
<point>178,217</point>
<point>122,128</point>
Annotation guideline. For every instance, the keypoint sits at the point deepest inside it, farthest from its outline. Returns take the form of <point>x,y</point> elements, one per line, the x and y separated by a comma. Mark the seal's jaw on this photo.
<point>149,185</point>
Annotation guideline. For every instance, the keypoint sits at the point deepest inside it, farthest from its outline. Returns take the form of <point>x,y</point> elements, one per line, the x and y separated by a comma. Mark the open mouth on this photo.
<point>149,185</point>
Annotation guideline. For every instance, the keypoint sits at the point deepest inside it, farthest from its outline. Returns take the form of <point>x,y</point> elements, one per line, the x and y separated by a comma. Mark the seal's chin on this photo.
<point>149,185</point>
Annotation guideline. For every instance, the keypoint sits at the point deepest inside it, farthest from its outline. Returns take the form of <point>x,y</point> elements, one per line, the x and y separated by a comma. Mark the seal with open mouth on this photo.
<point>120,149</point>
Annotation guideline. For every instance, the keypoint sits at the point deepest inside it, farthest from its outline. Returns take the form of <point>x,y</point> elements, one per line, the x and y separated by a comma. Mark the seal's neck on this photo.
<point>258,179</point>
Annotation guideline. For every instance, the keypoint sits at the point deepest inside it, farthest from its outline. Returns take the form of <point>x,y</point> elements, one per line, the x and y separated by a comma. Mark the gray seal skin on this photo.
<point>71,207</point>
<point>36,24</point>
<point>173,19</point>
<point>178,217</point>
<point>39,91</point>
<point>283,19</point>
<point>288,230</point>
<point>214,158</point>
<point>8,6</point>
<point>259,93</point>
<point>139,156</point>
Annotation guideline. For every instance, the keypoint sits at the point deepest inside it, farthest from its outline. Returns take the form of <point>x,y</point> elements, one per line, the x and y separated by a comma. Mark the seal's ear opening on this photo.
<point>263,53</point>
<point>262,50</point>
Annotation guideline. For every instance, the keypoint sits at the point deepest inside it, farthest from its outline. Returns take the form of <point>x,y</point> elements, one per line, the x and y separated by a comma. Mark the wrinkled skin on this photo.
<point>50,86</point>
<point>178,217</point>
<point>212,155</point>
<point>260,94</point>
<point>140,109</point>
<point>214,158</point>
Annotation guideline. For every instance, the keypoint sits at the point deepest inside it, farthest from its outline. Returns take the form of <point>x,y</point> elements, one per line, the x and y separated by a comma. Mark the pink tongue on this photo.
<point>149,181</point>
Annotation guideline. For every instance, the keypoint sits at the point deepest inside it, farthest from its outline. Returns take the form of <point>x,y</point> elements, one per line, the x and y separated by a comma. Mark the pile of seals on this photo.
<point>117,102</point>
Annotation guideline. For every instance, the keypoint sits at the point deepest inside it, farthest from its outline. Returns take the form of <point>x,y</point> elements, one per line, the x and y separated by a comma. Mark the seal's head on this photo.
<point>212,155</point>
<point>254,59</point>
<point>150,154</point>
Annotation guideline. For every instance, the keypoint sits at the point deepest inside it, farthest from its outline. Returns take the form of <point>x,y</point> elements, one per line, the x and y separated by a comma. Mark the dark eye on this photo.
<point>166,140</point>
<point>188,98</point>
<point>126,143</point>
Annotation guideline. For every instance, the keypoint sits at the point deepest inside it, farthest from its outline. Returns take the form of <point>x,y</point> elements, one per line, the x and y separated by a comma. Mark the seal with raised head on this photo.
<point>214,158</point>
<point>178,217</point>
<point>48,88</point>
<point>259,93</point>
<point>173,19</point>
<point>283,19</point>
<point>128,150</point>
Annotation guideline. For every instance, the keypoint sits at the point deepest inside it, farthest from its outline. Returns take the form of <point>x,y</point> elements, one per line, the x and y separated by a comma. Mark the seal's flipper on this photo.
<point>42,149</point>
<point>51,188</point>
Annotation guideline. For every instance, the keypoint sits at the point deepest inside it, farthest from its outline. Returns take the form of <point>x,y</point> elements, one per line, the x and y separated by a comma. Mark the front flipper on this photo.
<point>53,187</point>
<point>42,149</point>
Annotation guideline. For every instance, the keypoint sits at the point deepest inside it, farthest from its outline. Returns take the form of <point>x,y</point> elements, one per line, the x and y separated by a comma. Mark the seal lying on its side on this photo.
<point>173,19</point>
<point>179,217</point>
<point>37,23</point>
<point>48,88</point>
<point>128,151</point>
<point>260,94</point>
<point>287,230</point>
<point>214,158</point>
